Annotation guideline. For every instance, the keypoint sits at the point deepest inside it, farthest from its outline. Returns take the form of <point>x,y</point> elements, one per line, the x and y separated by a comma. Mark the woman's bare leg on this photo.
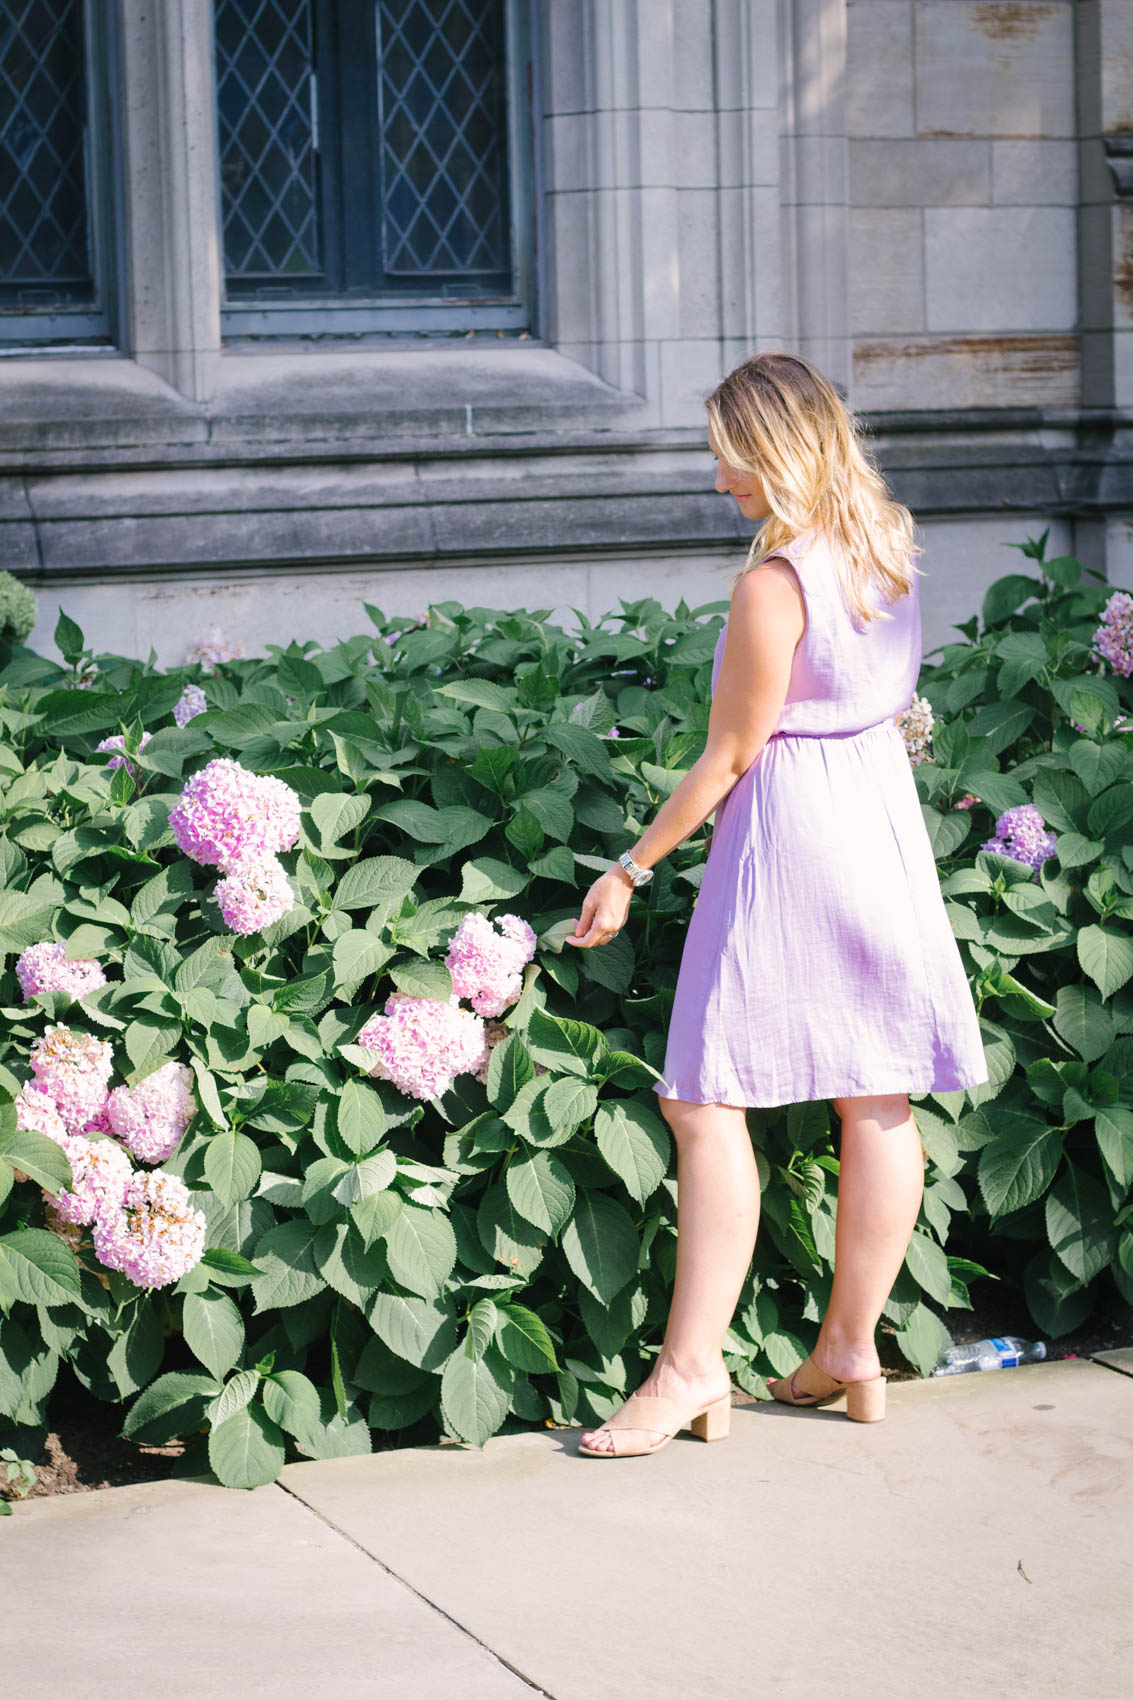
<point>880,1184</point>
<point>717,1220</point>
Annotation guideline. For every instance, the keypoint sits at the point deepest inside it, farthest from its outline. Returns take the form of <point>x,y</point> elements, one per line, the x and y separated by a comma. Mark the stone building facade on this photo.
<point>933,199</point>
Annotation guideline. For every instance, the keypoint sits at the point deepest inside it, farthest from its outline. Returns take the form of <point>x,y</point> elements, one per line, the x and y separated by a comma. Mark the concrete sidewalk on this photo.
<point>976,1543</point>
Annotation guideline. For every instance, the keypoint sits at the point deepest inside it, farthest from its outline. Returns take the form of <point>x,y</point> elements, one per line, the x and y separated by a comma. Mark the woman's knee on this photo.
<point>886,1107</point>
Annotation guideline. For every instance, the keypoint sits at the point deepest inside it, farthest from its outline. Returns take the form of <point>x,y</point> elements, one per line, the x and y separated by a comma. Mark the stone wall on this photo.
<point>931,198</point>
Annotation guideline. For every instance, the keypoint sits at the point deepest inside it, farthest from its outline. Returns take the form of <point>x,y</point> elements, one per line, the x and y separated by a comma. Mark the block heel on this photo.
<point>865,1400</point>
<point>713,1423</point>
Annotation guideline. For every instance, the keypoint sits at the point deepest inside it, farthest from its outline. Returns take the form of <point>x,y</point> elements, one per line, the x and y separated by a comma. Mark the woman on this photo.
<point>819,962</point>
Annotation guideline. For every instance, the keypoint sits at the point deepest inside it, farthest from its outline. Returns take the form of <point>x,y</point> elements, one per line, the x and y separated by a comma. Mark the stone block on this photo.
<point>563,58</point>
<point>886,268</point>
<point>965,371</point>
<point>690,371</point>
<point>819,174</point>
<point>919,173</point>
<point>748,150</point>
<point>879,68</point>
<point>698,257</point>
<point>1000,269</point>
<point>1034,174</point>
<point>747,55</point>
<point>995,69</point>
<point>690,46</point>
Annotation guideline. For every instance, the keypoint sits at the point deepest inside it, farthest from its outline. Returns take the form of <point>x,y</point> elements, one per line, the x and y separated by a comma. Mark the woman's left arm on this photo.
<point>765,624</point>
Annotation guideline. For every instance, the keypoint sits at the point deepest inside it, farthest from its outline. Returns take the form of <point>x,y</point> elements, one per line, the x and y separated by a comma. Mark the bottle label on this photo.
<point>1008,1359</point>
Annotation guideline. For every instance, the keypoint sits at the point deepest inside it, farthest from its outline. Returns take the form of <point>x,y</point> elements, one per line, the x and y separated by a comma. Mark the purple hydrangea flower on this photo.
<point>1020,833</point>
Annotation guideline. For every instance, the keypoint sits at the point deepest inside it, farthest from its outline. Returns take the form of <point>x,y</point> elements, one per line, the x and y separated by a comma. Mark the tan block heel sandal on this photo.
<point>865,1400</point>
<point>645,1411</point>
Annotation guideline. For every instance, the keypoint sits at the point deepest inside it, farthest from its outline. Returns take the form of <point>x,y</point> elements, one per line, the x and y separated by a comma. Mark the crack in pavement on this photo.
<point>432,1604</point>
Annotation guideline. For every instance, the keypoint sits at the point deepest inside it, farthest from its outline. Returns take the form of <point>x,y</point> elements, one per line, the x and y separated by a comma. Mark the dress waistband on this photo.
<point>860,731</point>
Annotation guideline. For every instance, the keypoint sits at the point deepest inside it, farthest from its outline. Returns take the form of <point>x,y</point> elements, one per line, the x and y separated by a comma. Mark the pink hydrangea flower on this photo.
<point>255,895</point>
<point>118,742</point>
<point>967,801</point>
<point>422,1044</point>
<point>151,1118</point>
<point>36,1113</point>
<point>229,816</point>
<point>915,725</point>
<point>45,968</point>
<point>101,1174</point>
<point>189,704</point>
<point>1113,640</point>
<point>1020,833</point>
<point>486,965</point>
<point>213,651</point>
<point>157,1235</point>
<point>73,1070</point>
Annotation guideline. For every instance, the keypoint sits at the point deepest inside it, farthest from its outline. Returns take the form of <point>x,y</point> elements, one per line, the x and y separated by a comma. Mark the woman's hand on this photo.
<point>604,910</point>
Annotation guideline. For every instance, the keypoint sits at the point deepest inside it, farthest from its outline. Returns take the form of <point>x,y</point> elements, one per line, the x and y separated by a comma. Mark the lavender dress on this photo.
<point>820,962</point>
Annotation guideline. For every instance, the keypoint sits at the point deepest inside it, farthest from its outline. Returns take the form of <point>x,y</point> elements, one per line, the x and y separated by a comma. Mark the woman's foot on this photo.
<point>835,1362</point>
<point>696,1389</point>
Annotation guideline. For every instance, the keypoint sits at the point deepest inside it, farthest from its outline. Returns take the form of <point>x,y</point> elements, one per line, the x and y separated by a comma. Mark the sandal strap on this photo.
<point>647,1411</point>
<point>810,1398</point>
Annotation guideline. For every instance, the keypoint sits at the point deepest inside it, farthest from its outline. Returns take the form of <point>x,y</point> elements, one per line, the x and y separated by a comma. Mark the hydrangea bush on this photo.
<point>313,1135</point>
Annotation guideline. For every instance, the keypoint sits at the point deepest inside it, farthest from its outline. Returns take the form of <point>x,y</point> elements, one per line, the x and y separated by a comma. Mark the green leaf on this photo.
<point>40,1267</point>
<point>358,954</point>
<point>1113,1127</point>
<point>946,833</point>
<point>923,1339</point>
<point>172,1405</point>
<point>540,1186</point>
<point>377,881</point>
<point>1019,1163</point>
<point>1082,1022</point>
<point>232,1166</point>
<point>347,1264</point>
<point>214,1330</point>
<point>68,638</point>
<point>565,1047</point>
<point>1106,955</point>
<point>525,1341</point>
<point>927,1264</point>
<point>510,1068</point>
<point>505,1234</point>
<point>149,1040</point>
<point>485,880</point>
<point>361,1119</point>
<point>634,1142</point>
<point>247,1450</point>
<point>335,813</point>
<point>292,1401</point>
<point>421,1248</point>
<point>422,1331</point>
<point>475,1394</point>
<point>601,1245</point>
<point>422,979</point>
<point>234,1395</point>
<point>1057,1301</point>
<point>38,1156</point>
<point>338,1434</point>
<point>285,1255</point>
<point>1079,1223</point>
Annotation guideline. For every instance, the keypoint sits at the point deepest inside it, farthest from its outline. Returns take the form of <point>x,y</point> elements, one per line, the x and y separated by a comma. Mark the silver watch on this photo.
<point>639,876</point>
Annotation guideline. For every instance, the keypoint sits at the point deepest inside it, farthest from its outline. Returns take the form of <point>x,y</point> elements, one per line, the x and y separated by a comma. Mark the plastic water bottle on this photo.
<point>1002,1351</point>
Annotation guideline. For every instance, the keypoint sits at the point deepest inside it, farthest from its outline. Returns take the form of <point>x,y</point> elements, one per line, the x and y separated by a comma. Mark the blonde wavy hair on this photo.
<point>778,418</point>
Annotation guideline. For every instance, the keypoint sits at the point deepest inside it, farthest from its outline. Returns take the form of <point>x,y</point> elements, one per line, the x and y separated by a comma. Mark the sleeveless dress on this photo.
<point>819,961</point>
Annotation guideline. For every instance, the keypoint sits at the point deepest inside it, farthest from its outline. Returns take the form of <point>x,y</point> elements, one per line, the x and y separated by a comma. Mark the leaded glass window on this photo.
<point>49,232</point>
<point>370,162</point>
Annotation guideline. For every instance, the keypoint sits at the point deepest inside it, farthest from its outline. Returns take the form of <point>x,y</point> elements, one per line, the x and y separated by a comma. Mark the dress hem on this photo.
<point>823,1097</point>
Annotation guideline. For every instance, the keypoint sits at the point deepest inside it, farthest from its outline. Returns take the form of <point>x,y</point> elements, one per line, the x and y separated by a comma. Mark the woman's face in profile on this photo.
<point>744,487</point>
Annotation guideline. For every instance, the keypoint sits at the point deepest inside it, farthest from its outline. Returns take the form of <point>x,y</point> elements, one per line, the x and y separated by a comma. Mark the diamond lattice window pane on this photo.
<point>44,233</point>
<point>444,137</point>
<point>267,156</point>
